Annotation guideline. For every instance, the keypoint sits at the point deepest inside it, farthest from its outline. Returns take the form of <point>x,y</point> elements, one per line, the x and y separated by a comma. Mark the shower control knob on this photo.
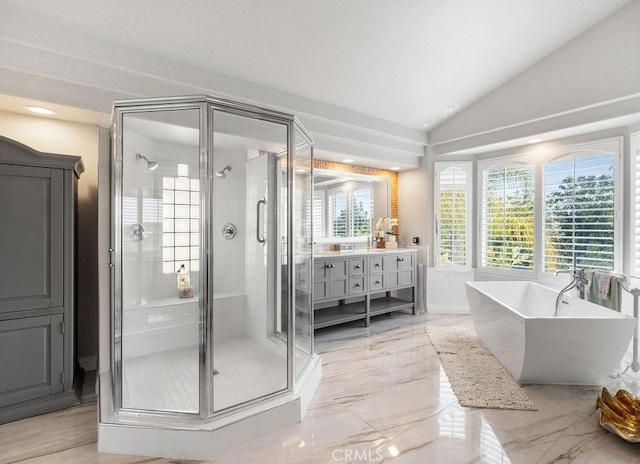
<point>228,231</point>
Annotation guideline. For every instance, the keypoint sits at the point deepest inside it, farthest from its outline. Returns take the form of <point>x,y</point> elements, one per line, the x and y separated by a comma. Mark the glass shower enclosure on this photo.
<point>211,258</point>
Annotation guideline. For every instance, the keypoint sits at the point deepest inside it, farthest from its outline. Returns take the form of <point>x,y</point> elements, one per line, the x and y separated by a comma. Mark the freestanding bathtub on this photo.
<point>515,320</point>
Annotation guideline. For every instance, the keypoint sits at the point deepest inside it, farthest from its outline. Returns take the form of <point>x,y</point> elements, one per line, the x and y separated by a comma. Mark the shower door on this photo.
<point>249,278</point>
<point>157,239</point>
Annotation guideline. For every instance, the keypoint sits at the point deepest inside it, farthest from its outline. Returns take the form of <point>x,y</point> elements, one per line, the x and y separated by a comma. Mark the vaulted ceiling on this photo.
<point>406,64</point>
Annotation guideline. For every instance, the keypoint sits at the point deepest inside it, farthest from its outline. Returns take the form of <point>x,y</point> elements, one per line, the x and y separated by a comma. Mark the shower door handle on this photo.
<point>260,236</point>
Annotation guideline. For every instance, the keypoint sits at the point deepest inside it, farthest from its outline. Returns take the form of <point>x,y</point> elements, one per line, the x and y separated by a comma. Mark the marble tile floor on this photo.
<point>384,397</point>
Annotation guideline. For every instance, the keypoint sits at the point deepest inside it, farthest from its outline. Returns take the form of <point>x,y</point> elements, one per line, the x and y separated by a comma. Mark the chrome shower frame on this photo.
<point>206,105</point>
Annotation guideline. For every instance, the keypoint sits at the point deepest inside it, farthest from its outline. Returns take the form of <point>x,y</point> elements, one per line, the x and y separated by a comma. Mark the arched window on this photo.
<point>453,217</point>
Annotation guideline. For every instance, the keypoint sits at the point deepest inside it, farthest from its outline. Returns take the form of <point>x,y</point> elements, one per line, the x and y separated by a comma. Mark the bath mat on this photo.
<point>476,376</point>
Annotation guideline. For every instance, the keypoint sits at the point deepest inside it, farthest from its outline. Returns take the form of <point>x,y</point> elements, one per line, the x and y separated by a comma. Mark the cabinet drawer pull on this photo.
<point>358,267</point>
<point>358,285</point>
<point>330,266</point>
<point>400,259</point>
<point>377,264</point>
<point>378,282</point>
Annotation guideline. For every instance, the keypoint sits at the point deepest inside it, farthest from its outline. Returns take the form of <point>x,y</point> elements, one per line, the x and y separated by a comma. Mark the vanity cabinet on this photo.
<point>37,275</point>
<point>362,285</point>
<point>330,278</point>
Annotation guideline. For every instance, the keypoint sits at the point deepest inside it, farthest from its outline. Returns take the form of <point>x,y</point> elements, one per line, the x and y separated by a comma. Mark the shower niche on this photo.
<point>211,339</point>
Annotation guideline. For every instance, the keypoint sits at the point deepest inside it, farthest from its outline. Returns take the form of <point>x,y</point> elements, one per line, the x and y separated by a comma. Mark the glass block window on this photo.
<point>180,222</point>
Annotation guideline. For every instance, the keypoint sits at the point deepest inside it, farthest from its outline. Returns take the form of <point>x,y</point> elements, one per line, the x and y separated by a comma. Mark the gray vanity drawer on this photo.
<point>357,266</point>
<point>376,264</point>
<point>357,286</point>
<point>377,282</point>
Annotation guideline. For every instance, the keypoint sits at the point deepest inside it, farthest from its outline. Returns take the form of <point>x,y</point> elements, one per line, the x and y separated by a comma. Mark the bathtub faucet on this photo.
<point>573,283</point>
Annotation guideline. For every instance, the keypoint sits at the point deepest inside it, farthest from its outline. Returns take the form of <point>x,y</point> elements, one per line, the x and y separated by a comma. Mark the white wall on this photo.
<point>414,197</point>
<point>229,204</point>
<point>53,136</point>
<point>593,77</point>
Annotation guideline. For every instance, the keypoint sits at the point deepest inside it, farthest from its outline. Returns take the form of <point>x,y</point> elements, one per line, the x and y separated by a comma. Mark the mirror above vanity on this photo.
<point>347,205</point>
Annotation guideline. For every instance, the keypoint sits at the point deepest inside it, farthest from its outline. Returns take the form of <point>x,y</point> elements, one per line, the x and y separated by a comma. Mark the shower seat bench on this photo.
<point>351,286</point>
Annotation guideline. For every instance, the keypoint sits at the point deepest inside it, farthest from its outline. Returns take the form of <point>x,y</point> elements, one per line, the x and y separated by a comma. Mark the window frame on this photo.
<point>538,158</point>
<point>634,200</point>
<point>617,239</point>
<point>439,168</point>
<point>498,163</point>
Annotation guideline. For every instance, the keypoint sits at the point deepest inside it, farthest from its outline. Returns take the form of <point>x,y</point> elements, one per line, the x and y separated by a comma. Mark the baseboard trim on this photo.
<point>446,309</point>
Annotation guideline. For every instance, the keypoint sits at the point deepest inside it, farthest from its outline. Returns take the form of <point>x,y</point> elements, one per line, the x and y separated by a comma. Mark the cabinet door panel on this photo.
<point>405,277</point>
<point>338,288</point>
<point>320,271</point>
<point>320,291</point>
<point>31,248</point>
<point>405,261</point>
<point>392,280</point>
<point>391,263</point>
<point>339,269</point>
<point>31,349</point>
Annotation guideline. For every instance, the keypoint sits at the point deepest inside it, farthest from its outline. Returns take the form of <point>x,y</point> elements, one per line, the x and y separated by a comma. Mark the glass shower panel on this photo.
<point>303,243</point>
<point>160,246</point>
<point>249,353</point>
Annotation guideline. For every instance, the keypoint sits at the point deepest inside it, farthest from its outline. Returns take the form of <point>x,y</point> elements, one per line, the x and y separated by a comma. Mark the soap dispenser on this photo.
<point>185,290</point>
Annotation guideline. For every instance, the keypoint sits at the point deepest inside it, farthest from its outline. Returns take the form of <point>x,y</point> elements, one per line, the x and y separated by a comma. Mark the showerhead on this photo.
<point>222,172</point>
<point>151,165</point>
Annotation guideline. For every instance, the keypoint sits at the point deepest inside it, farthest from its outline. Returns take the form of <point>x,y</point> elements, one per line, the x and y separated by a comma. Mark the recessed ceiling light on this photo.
<point>394,168</point>
<point>450,111</point>
<point>535,140</point>
<point>40,110</point>
<point>347,161</point>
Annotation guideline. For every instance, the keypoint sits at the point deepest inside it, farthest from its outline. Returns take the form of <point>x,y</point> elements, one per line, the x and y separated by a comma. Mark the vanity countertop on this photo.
<point>363,252</point>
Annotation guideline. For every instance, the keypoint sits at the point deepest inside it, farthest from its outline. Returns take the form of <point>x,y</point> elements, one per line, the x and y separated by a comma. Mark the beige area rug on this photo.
<point>476,376</point>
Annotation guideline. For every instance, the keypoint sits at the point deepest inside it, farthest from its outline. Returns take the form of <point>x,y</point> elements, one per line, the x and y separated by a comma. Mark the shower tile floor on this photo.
<point>169,380</point>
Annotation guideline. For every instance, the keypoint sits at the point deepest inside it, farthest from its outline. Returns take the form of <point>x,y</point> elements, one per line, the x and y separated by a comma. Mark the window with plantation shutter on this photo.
<point>360,212</point>
<point>635,150</point>
<point>338,214</point>
<point>453,216</point>
<point>507,218</point>
<point>318,214</point>
<point>350,212</point>
<point>579,212</point>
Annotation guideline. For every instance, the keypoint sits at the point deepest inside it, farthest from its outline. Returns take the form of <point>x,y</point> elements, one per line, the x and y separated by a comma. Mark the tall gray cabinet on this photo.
<point>38,193</point>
